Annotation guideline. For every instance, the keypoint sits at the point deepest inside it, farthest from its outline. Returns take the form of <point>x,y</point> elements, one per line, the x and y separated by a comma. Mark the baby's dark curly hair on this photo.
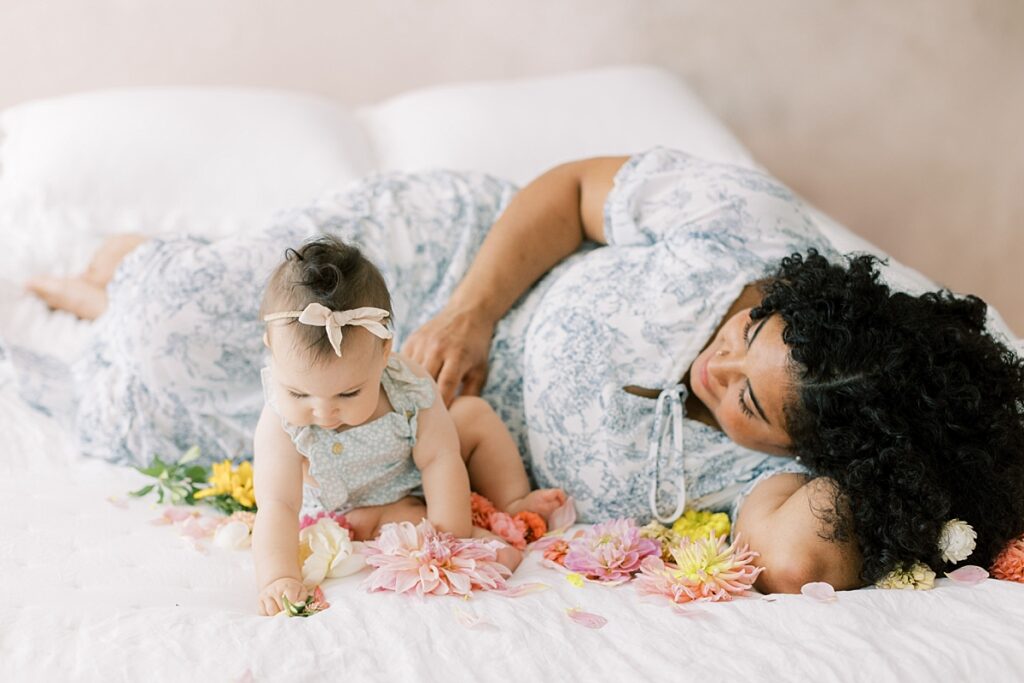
<point>329,272</point>
<point>908,404</point>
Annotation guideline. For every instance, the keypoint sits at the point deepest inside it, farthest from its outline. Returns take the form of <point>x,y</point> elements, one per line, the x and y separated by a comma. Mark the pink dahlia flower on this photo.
<point>708,569</point>
<point>611,551</point>
<point>421,559</point>
<point>339,518</point>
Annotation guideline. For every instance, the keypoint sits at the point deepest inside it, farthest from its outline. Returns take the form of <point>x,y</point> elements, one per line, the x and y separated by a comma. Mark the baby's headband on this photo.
<point>333,321</point>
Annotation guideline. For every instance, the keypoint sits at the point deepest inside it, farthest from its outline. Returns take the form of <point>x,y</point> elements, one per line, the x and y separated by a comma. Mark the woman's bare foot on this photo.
<point>73,294</point>
<point>86,294</point>
<point>541,501</point>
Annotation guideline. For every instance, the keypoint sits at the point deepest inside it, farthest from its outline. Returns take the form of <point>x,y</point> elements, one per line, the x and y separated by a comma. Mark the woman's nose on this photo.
<point>724,366</point>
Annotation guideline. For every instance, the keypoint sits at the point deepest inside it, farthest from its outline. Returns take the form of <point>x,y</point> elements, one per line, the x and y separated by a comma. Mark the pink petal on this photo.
<point>820,591</point>
<point>544,543</point>
<point>587,619</point>
<point>524,589</point>
<point>470,619</point>
<point>117,502</point>
<point>563,517</point>
<point>968,575</point>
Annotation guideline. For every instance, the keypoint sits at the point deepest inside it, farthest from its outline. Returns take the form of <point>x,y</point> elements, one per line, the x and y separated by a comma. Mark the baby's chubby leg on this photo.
<point>366,523</point>
<point>495,467</point>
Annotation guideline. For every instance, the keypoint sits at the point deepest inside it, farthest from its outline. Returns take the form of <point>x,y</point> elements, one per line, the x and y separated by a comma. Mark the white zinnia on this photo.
<point>919,577</point>
<point>957,541</point>
<point>327,552</point>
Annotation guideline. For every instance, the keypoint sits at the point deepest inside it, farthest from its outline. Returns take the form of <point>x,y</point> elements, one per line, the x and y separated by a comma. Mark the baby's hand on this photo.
<point>270,596</point>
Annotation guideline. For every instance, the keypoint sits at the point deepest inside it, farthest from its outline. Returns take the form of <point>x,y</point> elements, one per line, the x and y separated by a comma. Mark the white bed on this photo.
<point>92,591</point>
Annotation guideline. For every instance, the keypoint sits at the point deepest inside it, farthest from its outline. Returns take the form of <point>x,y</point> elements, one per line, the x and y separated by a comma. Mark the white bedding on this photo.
<point>92,591</point>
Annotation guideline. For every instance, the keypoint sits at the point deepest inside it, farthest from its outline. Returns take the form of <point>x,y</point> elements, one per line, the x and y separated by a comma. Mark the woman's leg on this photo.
<point>85,295</point>
<point>780,520</point>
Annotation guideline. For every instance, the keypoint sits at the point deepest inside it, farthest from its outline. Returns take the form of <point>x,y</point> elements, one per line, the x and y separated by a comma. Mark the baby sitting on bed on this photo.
<point>350,427</point>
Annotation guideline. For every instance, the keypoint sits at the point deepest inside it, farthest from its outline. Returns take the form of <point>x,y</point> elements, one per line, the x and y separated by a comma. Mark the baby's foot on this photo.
<point>510,557</point>
<point>72,294</point>
<point>541,501</point>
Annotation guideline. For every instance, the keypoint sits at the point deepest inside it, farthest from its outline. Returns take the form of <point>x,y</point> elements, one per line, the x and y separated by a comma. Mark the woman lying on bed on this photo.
<point>716,353</point>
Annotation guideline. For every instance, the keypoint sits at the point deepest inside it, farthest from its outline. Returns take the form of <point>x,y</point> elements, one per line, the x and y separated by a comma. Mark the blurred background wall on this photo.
<point>902,120</point>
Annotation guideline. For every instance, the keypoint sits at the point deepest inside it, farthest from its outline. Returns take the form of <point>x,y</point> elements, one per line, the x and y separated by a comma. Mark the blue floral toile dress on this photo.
<point>176,359</point>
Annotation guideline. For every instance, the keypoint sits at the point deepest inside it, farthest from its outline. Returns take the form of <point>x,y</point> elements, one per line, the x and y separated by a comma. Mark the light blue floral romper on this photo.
<point>370,464</point>
<point>176,359</point>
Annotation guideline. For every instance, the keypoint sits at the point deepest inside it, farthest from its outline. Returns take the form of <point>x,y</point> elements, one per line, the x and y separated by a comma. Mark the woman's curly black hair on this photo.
<point>908,404</point>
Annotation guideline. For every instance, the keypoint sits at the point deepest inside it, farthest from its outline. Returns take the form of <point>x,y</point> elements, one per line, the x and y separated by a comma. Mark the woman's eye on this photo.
<point>745,408</point>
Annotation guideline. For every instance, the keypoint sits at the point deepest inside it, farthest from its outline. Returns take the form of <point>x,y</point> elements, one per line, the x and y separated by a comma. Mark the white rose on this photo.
<point>326,551</point>
<point>957,541</point>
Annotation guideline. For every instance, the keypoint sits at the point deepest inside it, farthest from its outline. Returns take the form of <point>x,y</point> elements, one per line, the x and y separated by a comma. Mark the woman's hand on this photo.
<point>270,597</point>
<point>453,348</point>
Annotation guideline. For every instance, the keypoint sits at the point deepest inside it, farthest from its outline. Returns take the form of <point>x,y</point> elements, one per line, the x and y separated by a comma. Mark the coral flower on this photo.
<point>611,551</point>
<point>707,569</point>
<point>423,560</point>
<point>556,551</point>
<point>1009,566</point>
<point>535,525</point>
<point>481,510</point>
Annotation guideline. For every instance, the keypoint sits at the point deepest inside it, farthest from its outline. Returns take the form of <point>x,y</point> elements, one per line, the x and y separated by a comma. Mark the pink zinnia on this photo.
<point>308,520</point>
<point>419,558</point>
<point>611,551</point>
<point>708,569</point>
<point>1009,566</point>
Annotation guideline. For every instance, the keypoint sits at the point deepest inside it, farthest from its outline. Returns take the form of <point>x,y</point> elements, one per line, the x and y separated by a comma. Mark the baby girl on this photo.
<point>348,426</point>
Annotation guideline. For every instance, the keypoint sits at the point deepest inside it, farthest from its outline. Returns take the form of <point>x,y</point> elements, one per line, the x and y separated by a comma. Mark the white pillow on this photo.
<point>163,159</point>
<point>518,129</point>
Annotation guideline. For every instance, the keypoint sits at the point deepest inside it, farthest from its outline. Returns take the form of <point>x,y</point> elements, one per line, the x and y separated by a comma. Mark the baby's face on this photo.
<point>335,392</point>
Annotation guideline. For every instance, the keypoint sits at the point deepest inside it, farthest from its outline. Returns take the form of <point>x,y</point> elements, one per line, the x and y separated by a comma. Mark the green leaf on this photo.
<point>189,455</point>
<point>197,473</point>
<point>143,491</point>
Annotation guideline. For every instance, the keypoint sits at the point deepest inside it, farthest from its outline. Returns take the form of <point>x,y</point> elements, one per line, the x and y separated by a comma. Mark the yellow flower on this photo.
<point>697,524</point>
<point>918,577</point>
<point>232,481</point>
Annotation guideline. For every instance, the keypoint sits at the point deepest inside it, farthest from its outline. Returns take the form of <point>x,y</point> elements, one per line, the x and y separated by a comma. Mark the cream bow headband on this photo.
<point>317,314</point>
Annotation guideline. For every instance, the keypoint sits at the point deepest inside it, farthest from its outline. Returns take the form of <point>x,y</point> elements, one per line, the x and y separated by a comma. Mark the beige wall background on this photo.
<point>900,119</point>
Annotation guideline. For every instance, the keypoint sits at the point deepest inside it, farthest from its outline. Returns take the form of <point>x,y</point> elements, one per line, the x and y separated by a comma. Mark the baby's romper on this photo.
<point>369,464</point>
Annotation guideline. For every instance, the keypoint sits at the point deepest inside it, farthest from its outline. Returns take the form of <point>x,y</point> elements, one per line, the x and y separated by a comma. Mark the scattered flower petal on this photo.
<point>117,502</point>
<point>820,591</point>
<point>587,619</point>
<point>524,589</point>
<point>968,575</point>
<point>769,598</point>
<point>575,579</point>
<point>470,619</point>
<point>563,517</point>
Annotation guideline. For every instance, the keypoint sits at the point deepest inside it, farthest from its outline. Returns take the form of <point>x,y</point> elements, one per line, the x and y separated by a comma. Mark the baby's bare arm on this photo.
<point>278,487</point>
<point>445,479</point>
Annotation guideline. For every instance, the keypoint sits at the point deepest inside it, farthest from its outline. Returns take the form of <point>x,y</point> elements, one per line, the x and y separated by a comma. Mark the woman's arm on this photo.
<point>545,222</point>
<point>780,520</point>
<point>277,479</point>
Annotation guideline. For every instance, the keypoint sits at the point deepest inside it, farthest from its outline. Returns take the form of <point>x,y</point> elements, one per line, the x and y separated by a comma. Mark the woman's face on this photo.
<point>743,378</point>
<point>331,393</point>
